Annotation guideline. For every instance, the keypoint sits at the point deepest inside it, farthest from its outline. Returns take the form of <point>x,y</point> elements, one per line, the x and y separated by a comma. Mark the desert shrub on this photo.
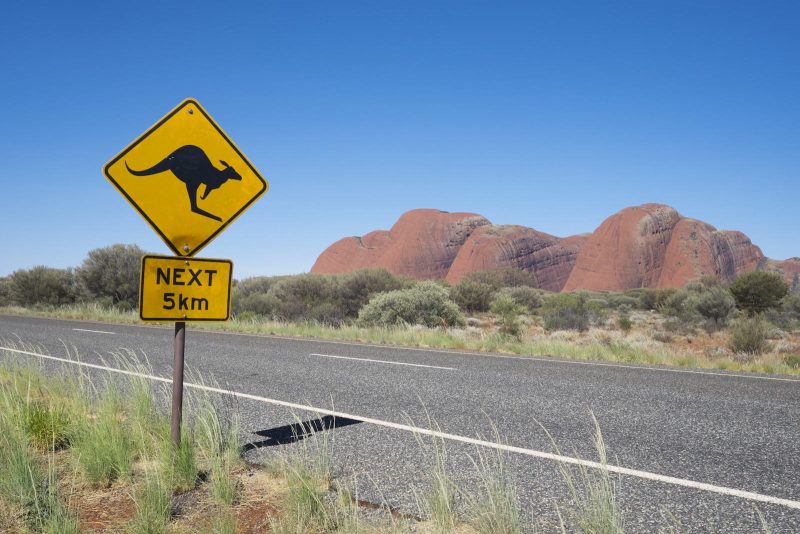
<point>529,298</point>
<point>681,305</point>
<point>758,291</point>
<point>356,288</point>
<point>715,305</point>
<point>112,274</point>
<point>426,303</point>
<point>645,298</point>
<point>310,297</point>
<point>5,291</point>
<point>473,296</point>
<point>749,336</point>
<point>662,295</point>
<point>792,360</point>
<point>624,322</point>
<point>256,285</point>
<point>508,277</point>
<point>255,304</point>
<point>313,297</point>
<point>791,305</point>
<point>508,313</point>
<point>617,301</point>
<point>44,286</point>
<point>567,311</point>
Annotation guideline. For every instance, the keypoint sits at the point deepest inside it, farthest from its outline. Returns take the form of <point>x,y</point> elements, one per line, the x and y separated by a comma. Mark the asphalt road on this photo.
<point>719,433</point>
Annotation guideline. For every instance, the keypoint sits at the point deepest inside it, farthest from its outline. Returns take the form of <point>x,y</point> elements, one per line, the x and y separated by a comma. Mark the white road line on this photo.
<point>93,331</point>
<point>646,475</point>
<point>383,361</point>
<point>554,359</point>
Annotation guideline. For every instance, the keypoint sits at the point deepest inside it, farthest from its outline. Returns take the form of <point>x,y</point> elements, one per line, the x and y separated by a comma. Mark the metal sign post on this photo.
<point>177,381</point>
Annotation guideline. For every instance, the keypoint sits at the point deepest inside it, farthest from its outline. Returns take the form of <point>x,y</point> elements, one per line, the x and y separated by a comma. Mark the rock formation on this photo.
<point>548,257</point>
<point>650,245</point>
<point>627,250</point>
<point>422,243</point>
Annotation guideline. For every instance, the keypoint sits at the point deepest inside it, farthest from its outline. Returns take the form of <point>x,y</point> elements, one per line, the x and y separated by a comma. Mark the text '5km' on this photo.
<point>185,289</point>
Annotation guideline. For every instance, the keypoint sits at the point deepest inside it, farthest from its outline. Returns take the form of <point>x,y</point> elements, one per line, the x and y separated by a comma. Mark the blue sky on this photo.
<point>551,115</point>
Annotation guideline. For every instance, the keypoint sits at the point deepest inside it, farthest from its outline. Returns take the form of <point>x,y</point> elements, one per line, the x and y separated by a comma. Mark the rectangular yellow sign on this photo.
<point>185,289</point>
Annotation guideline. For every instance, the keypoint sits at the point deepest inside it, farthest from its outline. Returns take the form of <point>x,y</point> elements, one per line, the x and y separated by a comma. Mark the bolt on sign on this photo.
<point>186,178</point>
<point>184,289</point>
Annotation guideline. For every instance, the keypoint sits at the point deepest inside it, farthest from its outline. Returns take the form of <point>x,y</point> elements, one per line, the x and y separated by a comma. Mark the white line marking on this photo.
<point>702,486</point>
<point>383,361</point>
<point>553,359</point>
<point>93,331</point>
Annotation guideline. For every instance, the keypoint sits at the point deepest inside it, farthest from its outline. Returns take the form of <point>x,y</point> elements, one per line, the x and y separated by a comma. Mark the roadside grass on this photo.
<point>54,489</point>
<point>595,345</point>
<point>596,508</point>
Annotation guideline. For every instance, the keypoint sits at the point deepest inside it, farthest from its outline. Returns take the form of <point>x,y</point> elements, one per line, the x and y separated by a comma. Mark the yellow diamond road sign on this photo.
<point>186,178</point>
<point>185,289</point>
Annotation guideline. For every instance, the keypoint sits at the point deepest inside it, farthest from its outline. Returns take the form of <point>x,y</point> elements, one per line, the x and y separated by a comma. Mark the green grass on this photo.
<point>153,505</point>
<point>496,509</point>
<point>596,508</point>
<point>103,444</point>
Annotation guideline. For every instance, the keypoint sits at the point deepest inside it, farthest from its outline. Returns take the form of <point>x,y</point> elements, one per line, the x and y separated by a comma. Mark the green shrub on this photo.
<point>791,304</point>
<point>645,297</point>
<point>508,313</point>
<point>508,277</point>
<point>112,273</point>
<point>749,336</point>
<point>715,305</point>
<point>313,297</point>
<point>528,297</point>
<point>310,297</point>
<point>426,303</point>
<point>356,288</point>
<point>618,301</point>
<point>758,291</point>
<point>567,311</point>
<point>5,291</point>
<point>624,322</point>
<point>792,360</point>
<point>681,305</point>
<point>44,286</point>
<point>662,295</point>
<point>473,296</point>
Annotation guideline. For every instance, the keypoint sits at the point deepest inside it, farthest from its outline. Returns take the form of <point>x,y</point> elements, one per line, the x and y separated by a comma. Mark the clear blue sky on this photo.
<point>552,116</point>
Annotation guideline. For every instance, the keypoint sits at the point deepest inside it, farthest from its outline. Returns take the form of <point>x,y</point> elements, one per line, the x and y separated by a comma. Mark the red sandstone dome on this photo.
<point>651,245</point>
<point>422,243</point>
<point>548,257</point>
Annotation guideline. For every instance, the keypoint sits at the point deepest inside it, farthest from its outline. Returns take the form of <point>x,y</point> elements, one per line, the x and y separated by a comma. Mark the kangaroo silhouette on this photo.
<point>191,166</point>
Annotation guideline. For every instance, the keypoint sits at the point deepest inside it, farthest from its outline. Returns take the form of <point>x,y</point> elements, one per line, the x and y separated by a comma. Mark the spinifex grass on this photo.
<point>307,470</point>
<point>103,443</point>
<point>495,509</point>
<point>595,508</point>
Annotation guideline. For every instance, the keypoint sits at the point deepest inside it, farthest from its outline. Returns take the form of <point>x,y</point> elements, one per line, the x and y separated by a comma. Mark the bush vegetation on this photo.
<point>758,291</point>
<point>111,274</point>
<point>330,299</point>
<point>427,303</point>
<point>749,336</point>
<point>44,286</point>
<point>567,311</point>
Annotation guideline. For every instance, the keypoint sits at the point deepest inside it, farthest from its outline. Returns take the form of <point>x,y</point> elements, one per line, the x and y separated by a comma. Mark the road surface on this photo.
<point>708,447</point>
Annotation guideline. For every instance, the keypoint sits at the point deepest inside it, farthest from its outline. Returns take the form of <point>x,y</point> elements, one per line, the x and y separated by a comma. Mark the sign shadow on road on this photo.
<point>284,435</point>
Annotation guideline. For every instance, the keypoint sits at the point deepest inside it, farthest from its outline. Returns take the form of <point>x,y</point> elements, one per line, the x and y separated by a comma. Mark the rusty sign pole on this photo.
<point>177,382</point>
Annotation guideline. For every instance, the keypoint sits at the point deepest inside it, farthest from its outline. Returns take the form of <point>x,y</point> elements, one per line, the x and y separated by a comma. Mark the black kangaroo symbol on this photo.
<point>191,166</point>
